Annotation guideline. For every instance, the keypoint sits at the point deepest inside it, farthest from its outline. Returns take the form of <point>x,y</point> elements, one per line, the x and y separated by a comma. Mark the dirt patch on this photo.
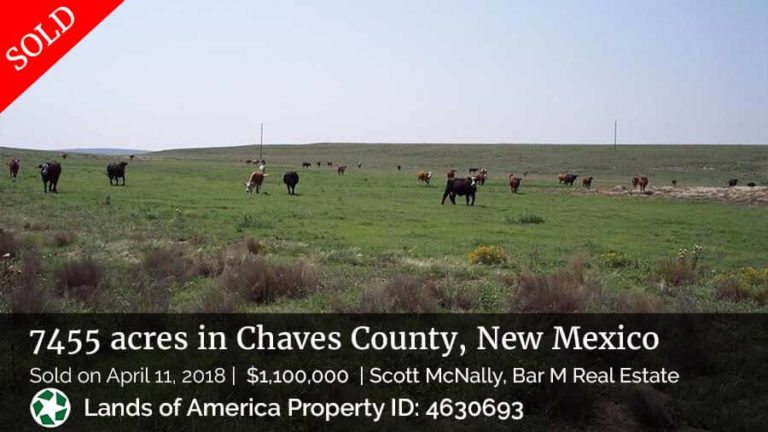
<point>757,195</point>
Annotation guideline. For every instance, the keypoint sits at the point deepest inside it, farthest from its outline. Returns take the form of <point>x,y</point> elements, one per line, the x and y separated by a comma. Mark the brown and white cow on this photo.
<point>14,166</point>
<point>254,182</point>
<point>514,183</point>
<point>481,176</point>
<point>423,177</point>
<point>642,183</point>
<point>561,178</point>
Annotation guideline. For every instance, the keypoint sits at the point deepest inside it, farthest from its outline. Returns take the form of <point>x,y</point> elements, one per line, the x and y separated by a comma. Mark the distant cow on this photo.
<point>473,170</point>
<point>569,179</point>
<point>248,161</point>
<point>460,186</point>
<point>50,173</point>
<point>733,182</point>
<point>751,184</point>
<point>341,169</point>
<point>131,156</point>
<point>64,156</point>
<point>635,182</point>
<point>451,173</point>
<point>359,165</point>
<point>319,163</point>
<point>514,183</point>
<point>423,177</point>
<point>674,182</point>
<point>14,166</point>
<point>399,167</point>
<point>116,171</point>
<point>291,179</point>
<point>254,182</point>
<point>329,163</point>
<point>587,182</point>
<point>561,178</point>
<point>482,176</point>
<point>642,182</point>
<point>306,164</point>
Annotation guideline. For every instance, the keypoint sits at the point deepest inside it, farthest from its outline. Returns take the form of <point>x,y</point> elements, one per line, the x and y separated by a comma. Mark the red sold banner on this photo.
<point>35,34</point>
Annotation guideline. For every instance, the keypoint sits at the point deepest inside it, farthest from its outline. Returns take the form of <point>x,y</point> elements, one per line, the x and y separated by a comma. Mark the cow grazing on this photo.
<point>587,182</point>
<point>248,161</point>
<point>635,182</point>
<point>131,157</point>
<point>116,171</point>
<point>451,173</point>
<point>481,176</point>
<point>64,156</point>
<point>341,169</point>
<point>359,165</point>
<point>733,182</point>
<point>319,163</point>
<point>460,186</point>
<point>291,179</point>
<point>642,182</point>
<point>561,178</point>
<point>751,184</point>
<point>329,163</point>
<point>306,164</point>
<point>423,177</point>
<point>254,182</point>
<point>674,182</point>
<point>514,183</point>
<point>50,173</point>
<point>399,167</point>
<point>14,166</point>
<point>569,179</point>
<point>473,170</point>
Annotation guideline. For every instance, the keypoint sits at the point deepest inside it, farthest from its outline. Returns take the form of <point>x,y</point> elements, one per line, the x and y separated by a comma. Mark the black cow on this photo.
<point>50,172</point>
<point>733,182</point>
<point>751,184</point>
<point>319,163</point>
<point>291,179</point>
<point>460,186</point>
<point>569,179</point>
<point>399,167</point>
<point>306,164</point>
<point>116,171</point>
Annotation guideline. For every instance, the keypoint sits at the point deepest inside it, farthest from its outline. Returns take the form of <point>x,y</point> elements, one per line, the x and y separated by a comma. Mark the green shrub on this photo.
<point>615,259</point>
<point>530,218</point>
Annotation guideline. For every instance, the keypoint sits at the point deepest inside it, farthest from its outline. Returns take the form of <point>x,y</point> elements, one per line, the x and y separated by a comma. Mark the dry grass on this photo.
<point>402,293</point>
<point>640,303</point>
<point>676,273</point>
<point>9,244</point>
<point>63,238</point>
<point>25,293</point>
<point>261,282</point>
<point>567,291</point>
<point>81,279</point>
<point>167,261</point>
<point>153,296</point>
<point>730,288</point>
<point>254,246</point>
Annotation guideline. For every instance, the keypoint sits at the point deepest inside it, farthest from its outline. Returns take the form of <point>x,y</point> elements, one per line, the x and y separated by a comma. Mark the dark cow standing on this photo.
<point>116,171</point>
<point>306,164</point>
<point>569,179</point>
<point>14,166</point>
<point>330,163</point>
<point>733,182</point>
<point>587,182</point>
<point>340,169</point>
<point>451,173</point>
<point>319,163</point>
<point>751,184</point>
<point>291,179</point>
<point>514,183</point>
<point>131,156</point>
<point>635,182</point>
<point>473,170</point>
<point>460,186</point>
<point>50,172</point>
<point>359,165</point>
<point>399,167</point>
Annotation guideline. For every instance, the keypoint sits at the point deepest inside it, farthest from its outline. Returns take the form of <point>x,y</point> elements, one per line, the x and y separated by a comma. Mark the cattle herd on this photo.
<point>461,186</point>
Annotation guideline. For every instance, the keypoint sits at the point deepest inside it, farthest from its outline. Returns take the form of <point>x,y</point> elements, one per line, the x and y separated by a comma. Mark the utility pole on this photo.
<point>615,127</point>
<point>261,143</point>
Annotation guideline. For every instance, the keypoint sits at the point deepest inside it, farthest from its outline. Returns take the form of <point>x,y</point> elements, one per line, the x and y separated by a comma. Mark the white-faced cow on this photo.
<point>466,187</point>
<point>423,177</point>
<point>14,166</point>
<point>254,182</point>
<point>50,173</point>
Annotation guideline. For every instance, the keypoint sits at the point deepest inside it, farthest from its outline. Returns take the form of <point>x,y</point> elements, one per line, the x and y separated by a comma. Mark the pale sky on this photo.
<point>194,73</point>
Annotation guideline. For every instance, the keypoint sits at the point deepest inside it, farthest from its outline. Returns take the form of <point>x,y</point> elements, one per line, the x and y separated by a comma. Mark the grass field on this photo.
<point>176,237</point>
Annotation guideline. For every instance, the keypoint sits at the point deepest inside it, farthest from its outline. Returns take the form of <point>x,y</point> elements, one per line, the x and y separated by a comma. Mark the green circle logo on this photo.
<point>50,408</point>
